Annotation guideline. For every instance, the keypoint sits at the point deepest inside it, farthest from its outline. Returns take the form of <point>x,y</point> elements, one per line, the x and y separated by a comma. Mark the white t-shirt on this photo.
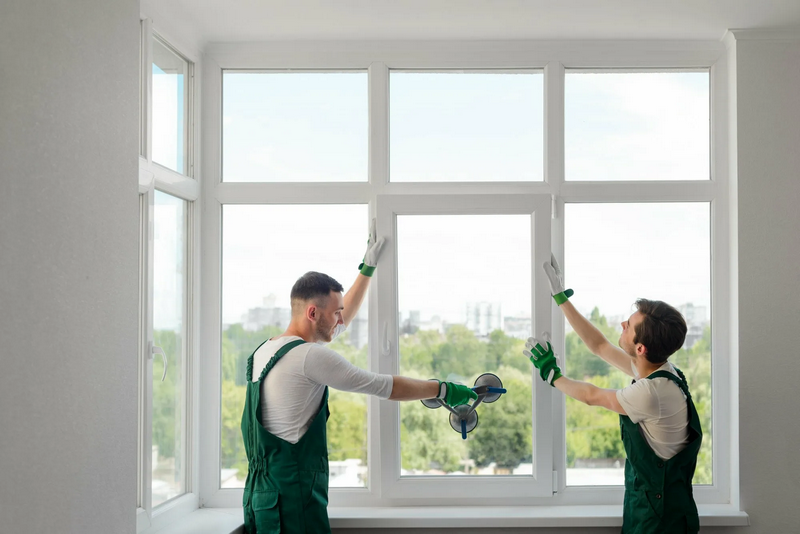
<point>292,391</point>
<point>659,407</point>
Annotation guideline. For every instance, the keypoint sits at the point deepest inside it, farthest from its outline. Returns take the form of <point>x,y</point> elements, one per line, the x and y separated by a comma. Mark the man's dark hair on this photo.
<point>313,285</point>
<point>662,330</point>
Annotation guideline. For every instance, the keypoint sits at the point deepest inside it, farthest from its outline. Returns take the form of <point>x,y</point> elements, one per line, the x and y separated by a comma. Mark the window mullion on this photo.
<point>378,157</point>
<point>554,125</point>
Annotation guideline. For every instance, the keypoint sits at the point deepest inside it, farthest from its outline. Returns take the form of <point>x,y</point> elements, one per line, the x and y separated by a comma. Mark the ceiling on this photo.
<point>213,21</point>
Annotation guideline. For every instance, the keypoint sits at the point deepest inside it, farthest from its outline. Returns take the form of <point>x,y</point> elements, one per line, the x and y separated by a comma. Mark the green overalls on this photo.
<point>658,492</point>
<point>287,484</point>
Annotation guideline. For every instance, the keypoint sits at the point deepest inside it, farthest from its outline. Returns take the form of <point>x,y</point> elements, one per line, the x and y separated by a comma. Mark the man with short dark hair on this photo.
<point>286,409</point>
<point>658,421</point>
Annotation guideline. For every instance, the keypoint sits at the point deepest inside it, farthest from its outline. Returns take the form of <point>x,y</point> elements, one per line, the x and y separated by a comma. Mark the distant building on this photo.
<point>266,315</point>
<point>410,324</point>
<point>359,329</point>
<point>694,314</point>
<point>696,322</point>
<point>483,317</point>
<point>518,327</point>
<point>693,335</point>
<point>413,323</point>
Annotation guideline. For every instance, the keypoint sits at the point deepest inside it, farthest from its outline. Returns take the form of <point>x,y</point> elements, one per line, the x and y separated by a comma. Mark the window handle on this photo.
<point>386,346</point>
<point>158,350</point>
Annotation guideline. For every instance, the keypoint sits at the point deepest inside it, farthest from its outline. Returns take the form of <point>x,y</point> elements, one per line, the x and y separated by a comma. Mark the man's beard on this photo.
<point>625,349</point>
<point>324,331</point>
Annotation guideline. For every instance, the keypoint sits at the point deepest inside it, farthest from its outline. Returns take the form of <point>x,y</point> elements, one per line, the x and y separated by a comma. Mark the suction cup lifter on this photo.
<point>464,418</point>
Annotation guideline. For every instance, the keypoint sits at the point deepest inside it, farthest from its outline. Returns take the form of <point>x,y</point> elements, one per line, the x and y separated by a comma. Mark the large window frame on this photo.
<point>154,177</point>
<point>554,58</point>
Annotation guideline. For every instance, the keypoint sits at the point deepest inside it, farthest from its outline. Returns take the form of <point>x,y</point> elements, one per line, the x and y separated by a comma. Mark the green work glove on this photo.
<point>556,279</point>
<point>455,394</point>
<point>543,359</point>
<point>374,246</point>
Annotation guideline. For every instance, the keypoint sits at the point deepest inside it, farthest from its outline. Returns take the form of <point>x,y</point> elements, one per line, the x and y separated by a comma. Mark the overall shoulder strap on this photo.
<point>278,355</point>
<point>680,380</point>
<point>249,373</point>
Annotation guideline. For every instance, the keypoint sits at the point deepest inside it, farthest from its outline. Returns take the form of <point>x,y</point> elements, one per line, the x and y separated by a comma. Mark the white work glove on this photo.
<point>556,279</point>
<point>544,359</point>
<point>374,246</point>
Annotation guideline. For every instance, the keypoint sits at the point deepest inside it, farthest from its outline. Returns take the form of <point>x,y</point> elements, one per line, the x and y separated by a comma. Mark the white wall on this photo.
<point>68,265</point>
<point>768,108</point>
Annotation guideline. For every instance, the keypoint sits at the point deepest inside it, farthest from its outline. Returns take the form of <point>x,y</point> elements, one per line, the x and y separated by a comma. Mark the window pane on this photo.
<point>460,318</point>
<point>169,108</point>
<point>614,254</point>
<point>466,127</point>
<point>294,127</point>
<point>262,257</point>
<point>637,126</point>
<point>169,323</point>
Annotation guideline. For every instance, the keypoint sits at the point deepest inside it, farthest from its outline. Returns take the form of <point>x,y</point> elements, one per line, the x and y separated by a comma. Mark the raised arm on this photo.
<point>355,295</point>
<point>595,341</point>
<point>354,298</point>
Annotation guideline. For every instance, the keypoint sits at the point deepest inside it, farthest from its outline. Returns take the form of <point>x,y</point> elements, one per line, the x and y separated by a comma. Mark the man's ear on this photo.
<point>311,313</point>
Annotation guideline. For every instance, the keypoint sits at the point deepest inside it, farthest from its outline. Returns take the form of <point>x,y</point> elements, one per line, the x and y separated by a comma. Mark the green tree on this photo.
<point>347,426</point>
<point>462,355</point>
<point>232,453</point>
<point>580,362</point>
<point>592,431</point>
<point>503,350</point>
<point>237,345</point>
<point>428,441</point>
<point>696,365</point>
<point>166,394</point>
<point>418,351</point>
<point>504,432</point>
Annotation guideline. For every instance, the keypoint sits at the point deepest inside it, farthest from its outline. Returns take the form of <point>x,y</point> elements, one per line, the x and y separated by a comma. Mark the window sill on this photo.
<point>509,516</point>
<point>229,520</point>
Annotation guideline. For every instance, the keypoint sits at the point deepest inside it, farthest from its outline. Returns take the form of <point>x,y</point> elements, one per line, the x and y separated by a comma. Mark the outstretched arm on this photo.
<point>589,394</point>
<point>406,389</point>
<point>544,359</point>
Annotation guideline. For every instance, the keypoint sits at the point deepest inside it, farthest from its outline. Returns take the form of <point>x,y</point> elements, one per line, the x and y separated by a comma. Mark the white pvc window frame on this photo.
<point>387,359</point>
<point>554,57</point>
<point>152,177</point>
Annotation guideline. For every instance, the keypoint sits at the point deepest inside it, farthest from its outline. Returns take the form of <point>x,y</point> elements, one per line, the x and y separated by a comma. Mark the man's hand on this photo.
<point>543,359</point>
<point>556,278</point>
<point>455,394</point>
<point>374,246</point>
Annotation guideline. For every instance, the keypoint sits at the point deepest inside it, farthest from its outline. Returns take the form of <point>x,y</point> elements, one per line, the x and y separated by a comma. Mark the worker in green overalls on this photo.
<point>286,408</point>
<point>658,420</point>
